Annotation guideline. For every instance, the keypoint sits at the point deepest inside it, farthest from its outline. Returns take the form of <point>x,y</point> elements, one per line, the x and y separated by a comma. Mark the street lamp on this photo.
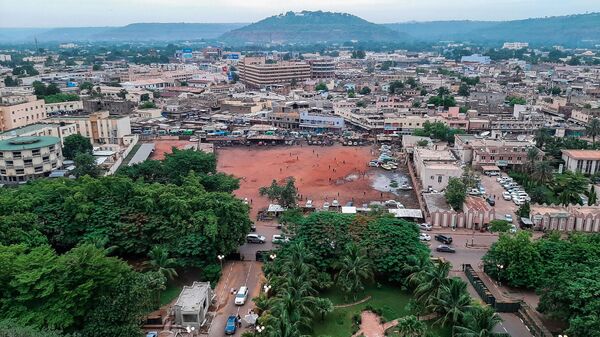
<point>221,257</point>
<point>500,267</point>
<point>266,288</point>
<point>190,330</point>
<point>273,256</point>
<point>260,328</point>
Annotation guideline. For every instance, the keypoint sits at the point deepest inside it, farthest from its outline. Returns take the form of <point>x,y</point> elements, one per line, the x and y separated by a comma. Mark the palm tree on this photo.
<point>543,172</point>
<point>410,326</point>
<point>452,303</point>
<point>282,327</point>
<point>414,265</point>
<point>323,306</point>
<point>593,129</point>
<point>430,281</point>
<point>294,308</point>
<point>532,155</point>
<point>479,322</point>
<point>354,269</point>
<point>569,186</point>
<point>161,262</point>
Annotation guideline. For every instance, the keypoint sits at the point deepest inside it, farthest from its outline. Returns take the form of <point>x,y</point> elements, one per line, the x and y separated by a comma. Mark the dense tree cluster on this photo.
<point>437,130</point>
<point>55,236</point>
<point>565,272</point>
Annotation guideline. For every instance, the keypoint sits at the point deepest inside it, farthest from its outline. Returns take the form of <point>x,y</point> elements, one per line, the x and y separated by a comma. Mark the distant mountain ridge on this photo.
<point>326,27</point>
<point>568,29</point>
<point>131,32</point>
<point>312,27</point>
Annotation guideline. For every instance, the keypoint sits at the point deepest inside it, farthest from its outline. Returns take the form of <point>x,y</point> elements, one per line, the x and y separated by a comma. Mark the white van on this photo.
<point>241,296</point>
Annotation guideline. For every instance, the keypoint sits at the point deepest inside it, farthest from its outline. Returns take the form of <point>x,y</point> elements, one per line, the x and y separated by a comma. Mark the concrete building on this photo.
<point>515,45</point>
<point>255,72</point>
<point>42,129</point>
<point>406,125</point>
<point>583,161</point>
<point>436,167</point>
<point>322,68</point>
<point>192,305</point>
<point>20,110</point>
<point>100,127</point>
<point>64,107</point>
<point>26,158</point>
<point>114,107</point>
<point>320,122</point>
<point>479,151</point>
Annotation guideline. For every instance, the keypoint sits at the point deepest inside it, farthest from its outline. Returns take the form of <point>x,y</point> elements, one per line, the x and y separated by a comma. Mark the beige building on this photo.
<point>68,107</point>
<point>436,167</point>
<point>479,151</point>
<point>255,72</point>
<point>583,161</point>
<point>26,158</point>
<point>100,127</point>
<point>20,110</point>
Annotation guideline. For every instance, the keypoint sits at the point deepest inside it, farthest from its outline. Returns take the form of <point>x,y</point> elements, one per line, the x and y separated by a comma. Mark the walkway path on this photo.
<point>370,324</point>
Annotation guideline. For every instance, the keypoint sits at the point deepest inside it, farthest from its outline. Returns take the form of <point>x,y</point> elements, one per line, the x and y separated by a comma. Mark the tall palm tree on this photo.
<point>569,186</point>
<point>413,267</point>
<point>452,303</point>
<point>354,269</point>
<point>593,129</point>
<point>430,281</point>
<point>543,172</point>
<point>410,326</point>
<point>161,262</point>
<point>532,156</point>
<point>294,308</point>
<point>479,322</point>
<point>282,327</point>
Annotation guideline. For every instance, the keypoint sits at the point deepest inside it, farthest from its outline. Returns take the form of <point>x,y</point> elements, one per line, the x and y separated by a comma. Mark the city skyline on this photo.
<point>70,13</point>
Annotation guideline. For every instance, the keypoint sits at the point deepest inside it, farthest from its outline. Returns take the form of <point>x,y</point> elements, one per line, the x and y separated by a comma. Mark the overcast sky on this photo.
<point>69,13</point>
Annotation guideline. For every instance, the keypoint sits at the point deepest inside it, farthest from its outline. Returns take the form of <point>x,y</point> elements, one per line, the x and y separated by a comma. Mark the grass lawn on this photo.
<point>170,293</point>
<point>391,300</point>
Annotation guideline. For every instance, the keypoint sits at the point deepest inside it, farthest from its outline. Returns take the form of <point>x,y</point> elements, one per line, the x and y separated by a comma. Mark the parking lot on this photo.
<point>495,190</point>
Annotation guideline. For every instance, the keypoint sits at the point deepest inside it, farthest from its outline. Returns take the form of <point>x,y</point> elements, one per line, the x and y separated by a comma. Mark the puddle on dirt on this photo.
<point>381,181</point>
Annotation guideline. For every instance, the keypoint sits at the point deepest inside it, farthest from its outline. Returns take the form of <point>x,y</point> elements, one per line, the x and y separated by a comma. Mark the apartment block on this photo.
<point>26,158</point>
<point>479,151</point>
<point>256,72</point>
<point>100,127</point>
<point>20,110</point>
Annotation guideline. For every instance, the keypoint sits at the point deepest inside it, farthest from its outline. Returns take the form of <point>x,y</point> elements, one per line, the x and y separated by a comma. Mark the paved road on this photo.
<point>502,207</point>
<point>467,255</point>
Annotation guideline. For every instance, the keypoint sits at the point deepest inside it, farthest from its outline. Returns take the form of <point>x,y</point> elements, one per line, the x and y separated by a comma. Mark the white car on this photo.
<point>424,237</point>
<point>474,191</point>
<point>506,196</point>
<point>335,203</point>
<point>279,239</point>
<point>326,206</point>
<point>513,229</point>
<point>241,296</point>
<point>425,226</point>
<point>373,164</point>
<point>508,218</point>
<point>519,201</point>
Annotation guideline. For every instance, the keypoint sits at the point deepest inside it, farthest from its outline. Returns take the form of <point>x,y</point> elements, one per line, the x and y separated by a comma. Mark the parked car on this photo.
<point>393,203</point>
<point>508,218</point>
<point>424,237</point>
<point>425,226</point>
<point>444,239</point>
<point>241,296</point>
<point>278,239</point>
<point>491,201</point>
<point>445,249</point>
<point>231,325</point>
<point>255,238</point>
<point>506,196</point>
<point>335,203</point>
<point>373,163</point>
<point>152,334</point>
<point>326,206</point>
<point>513,229</point>
<point>474,191</point>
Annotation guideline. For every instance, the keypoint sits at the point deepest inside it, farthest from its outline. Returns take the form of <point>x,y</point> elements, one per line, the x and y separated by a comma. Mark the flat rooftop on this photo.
<point>583,154</point>
<point>436,202</point>
<point>429,154</point>
<point>27,143</point>
<point>142,154</point>
<point>191,297</point>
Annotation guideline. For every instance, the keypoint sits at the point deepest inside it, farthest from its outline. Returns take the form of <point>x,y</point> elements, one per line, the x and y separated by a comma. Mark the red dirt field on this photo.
<point>161,147</point>
<point>312,167</point>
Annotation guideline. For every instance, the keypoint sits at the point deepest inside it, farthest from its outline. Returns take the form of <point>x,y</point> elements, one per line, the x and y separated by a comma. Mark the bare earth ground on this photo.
<point>164,146</point>
<point>322,173</point>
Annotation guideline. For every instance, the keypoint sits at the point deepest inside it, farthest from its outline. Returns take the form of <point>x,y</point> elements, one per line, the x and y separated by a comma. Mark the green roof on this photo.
<point>27,143</point>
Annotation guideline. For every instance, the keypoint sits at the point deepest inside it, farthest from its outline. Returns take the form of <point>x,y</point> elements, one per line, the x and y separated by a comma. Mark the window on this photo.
<point>20,171</point>
<point>35,152</point>
<point>46,158</point>
<point>9,163</point>
<point>439,179</point>
<point>39,169</point>
<point>28,162</point>
<point>3,171</point>
<point>16,154</point>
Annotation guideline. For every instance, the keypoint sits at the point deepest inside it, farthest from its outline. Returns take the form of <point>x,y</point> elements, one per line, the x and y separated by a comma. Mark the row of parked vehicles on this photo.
<point>257,238</point>
<point>444,239</point>
<point>514,191</point>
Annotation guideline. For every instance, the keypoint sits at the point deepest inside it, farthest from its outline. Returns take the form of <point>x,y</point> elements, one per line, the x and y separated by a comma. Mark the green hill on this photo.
<point>311,27</point>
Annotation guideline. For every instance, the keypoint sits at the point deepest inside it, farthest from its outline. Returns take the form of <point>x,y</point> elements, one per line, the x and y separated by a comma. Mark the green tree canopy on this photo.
<point>76,144</point>
<point>456,193</point>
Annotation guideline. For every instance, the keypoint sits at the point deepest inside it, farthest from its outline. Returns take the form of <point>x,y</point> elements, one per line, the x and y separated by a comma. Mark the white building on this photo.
<point>515,45</point>
<point>436,167</point>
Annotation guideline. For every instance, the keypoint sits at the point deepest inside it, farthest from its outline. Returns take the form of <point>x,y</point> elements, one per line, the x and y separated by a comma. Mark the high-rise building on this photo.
<point>256,72</point>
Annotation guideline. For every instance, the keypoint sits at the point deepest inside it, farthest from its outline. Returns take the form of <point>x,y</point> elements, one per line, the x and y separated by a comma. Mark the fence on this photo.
<point>501,305</point>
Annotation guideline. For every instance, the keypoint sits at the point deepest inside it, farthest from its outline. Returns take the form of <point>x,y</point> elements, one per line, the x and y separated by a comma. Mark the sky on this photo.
<point>87,13</point>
